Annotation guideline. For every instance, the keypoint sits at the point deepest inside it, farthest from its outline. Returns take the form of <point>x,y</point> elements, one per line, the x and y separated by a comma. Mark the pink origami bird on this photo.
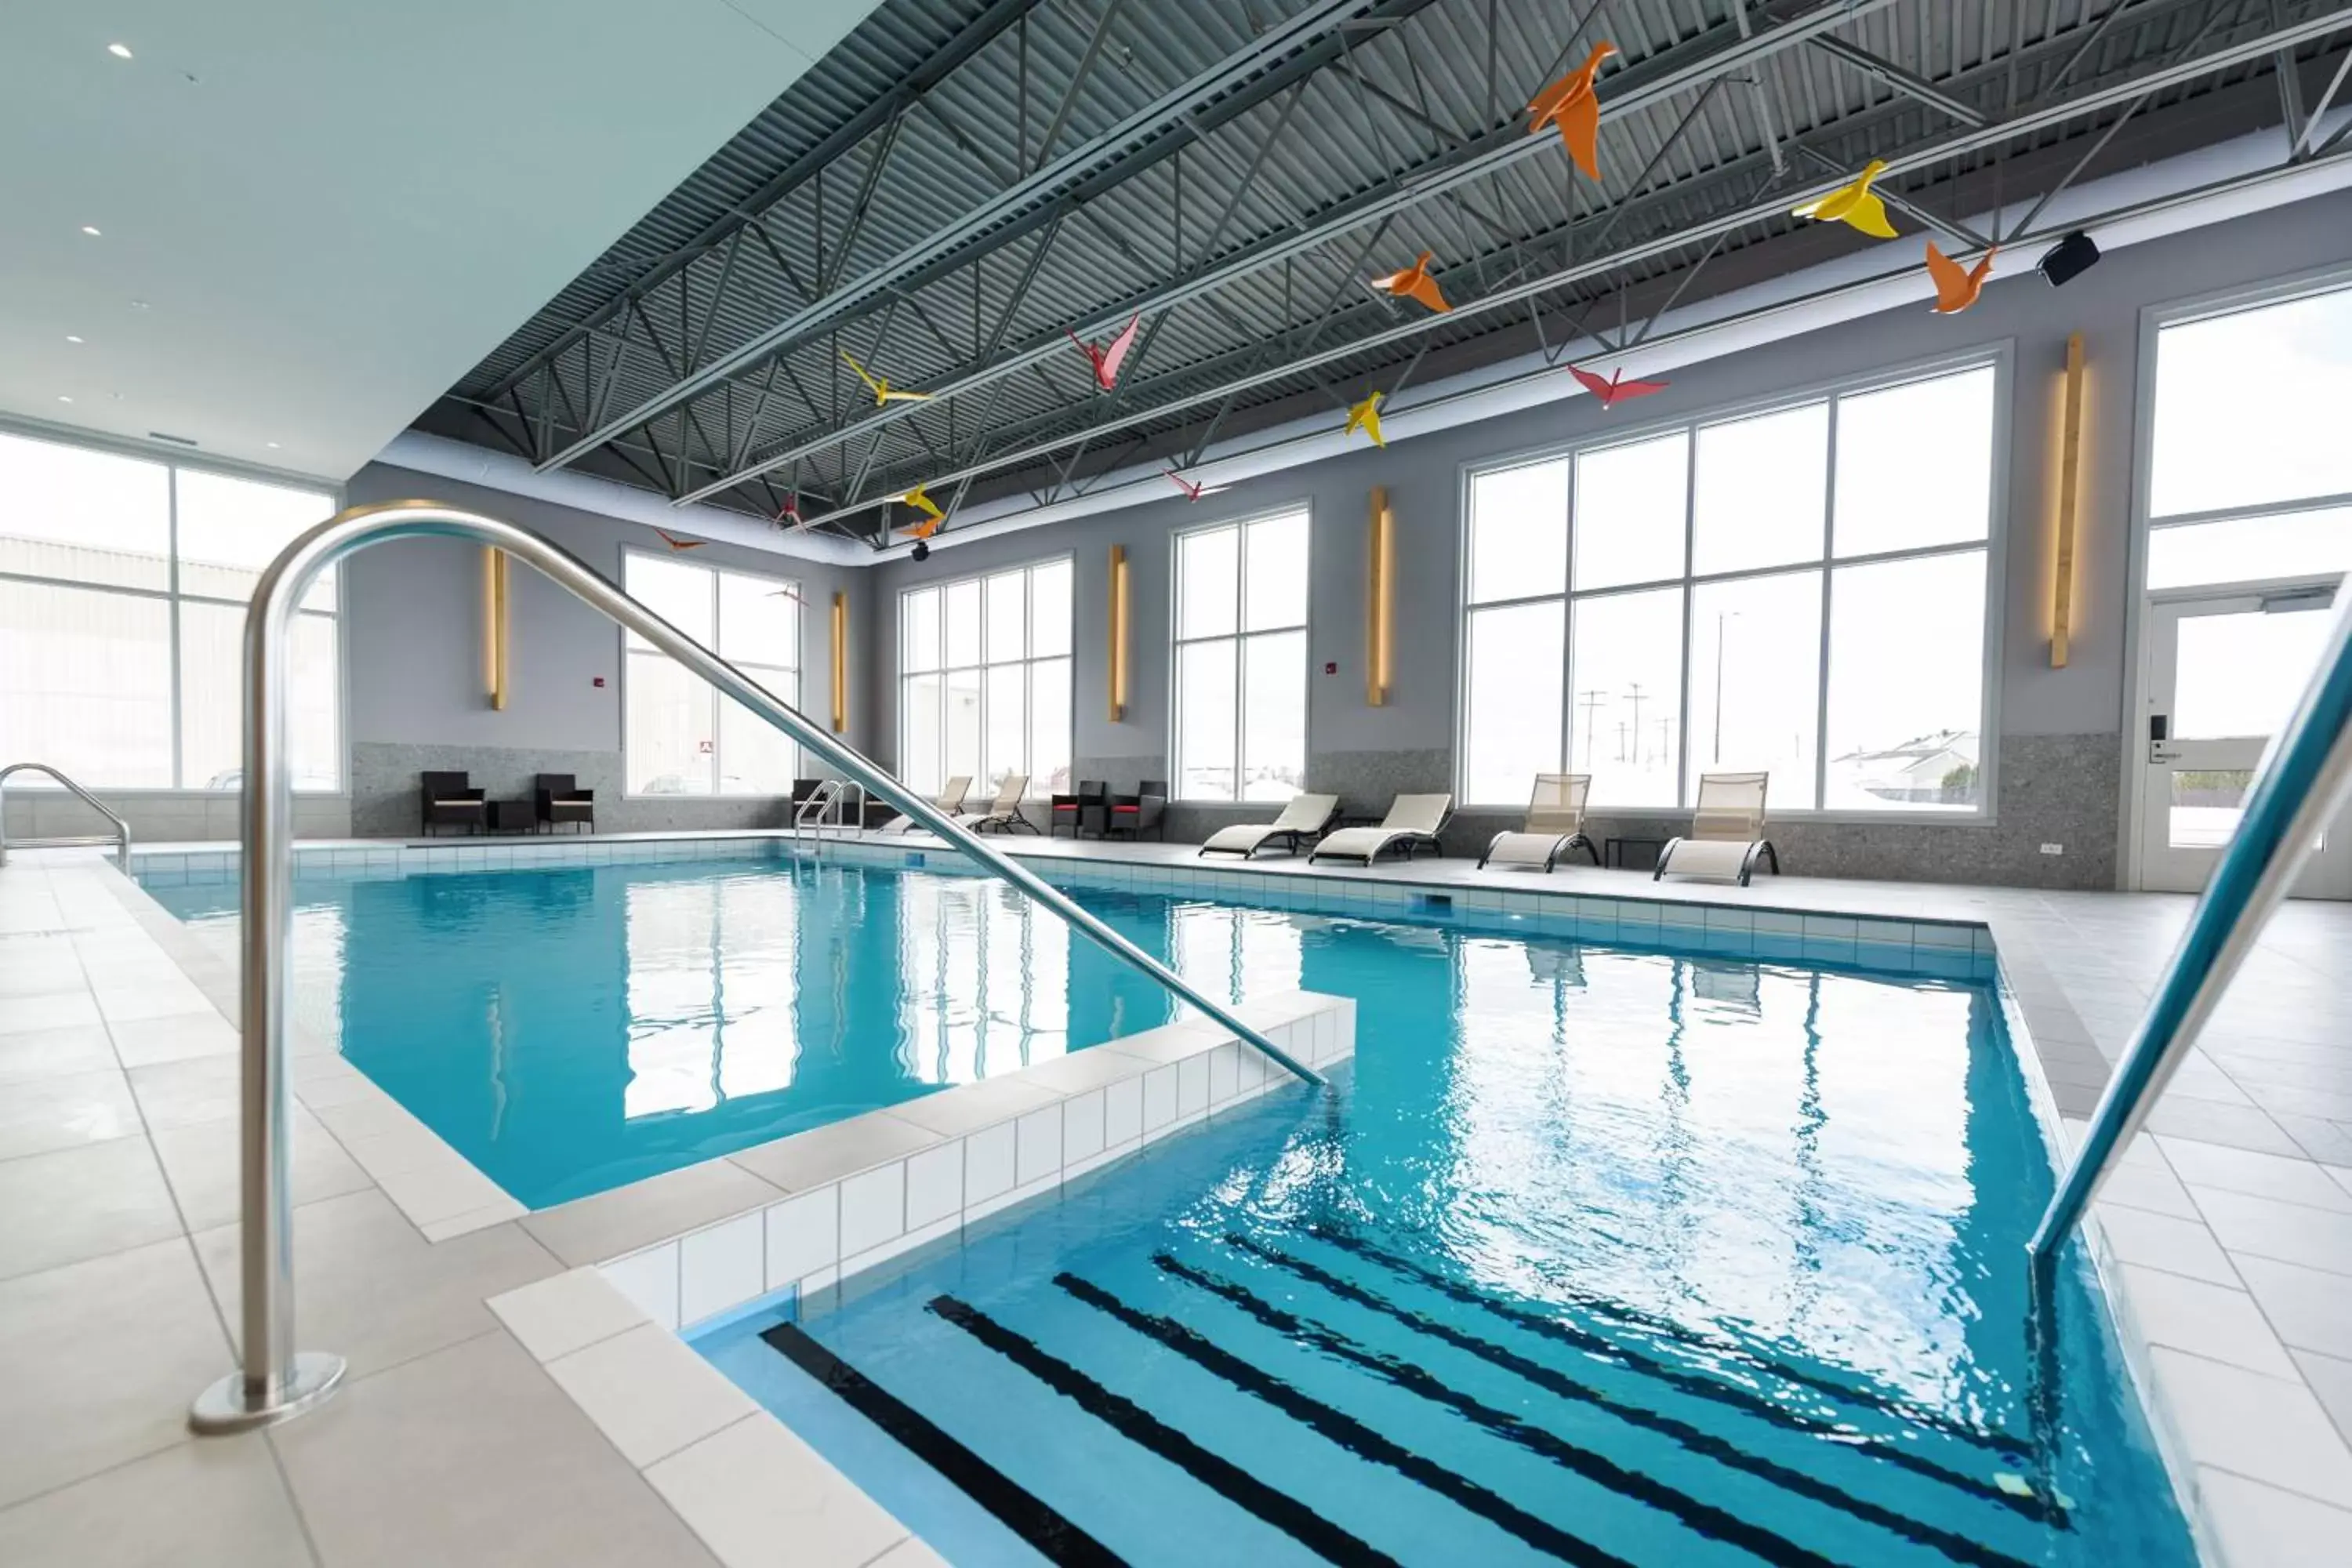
<point>1193,489</point>
<point>1615,389</point>
<point>1107,361</point>
<point>792,514</point>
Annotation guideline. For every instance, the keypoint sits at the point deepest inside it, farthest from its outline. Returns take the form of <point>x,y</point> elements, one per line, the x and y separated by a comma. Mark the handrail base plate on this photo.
<point>224,1407</point>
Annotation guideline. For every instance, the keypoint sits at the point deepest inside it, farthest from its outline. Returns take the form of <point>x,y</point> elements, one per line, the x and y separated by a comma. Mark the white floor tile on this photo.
<point>761,1497</point>
<point>2310,1308</point>
<point>2293,1233</point>
<point>649,1393</point>
<point>2289,1178</point>
<point>77,1204</point>
<point>570,1311</point>
<point>218,1503</point>
<point>40,1114</point>
<point>2217,1321</point>
<point>2266,1428</point>
<point>2263,1527</point>
<point>2160,1241</point>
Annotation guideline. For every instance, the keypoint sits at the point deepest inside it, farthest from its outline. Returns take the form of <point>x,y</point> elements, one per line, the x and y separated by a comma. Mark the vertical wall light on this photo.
<point>1380,602</point>
<point>1117,663</point>
<point>494,626</point>
<point>2070,463</point>
<point>840,662</point>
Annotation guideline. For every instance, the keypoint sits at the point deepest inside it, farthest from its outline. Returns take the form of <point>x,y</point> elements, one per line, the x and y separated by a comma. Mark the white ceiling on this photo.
<point>332,212</point>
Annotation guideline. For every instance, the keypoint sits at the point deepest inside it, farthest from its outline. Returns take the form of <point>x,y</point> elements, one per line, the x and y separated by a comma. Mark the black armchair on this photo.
<point>558,798</point>
<point>1145,811</point>
<point>449,800</point>
<point>1080,812</point>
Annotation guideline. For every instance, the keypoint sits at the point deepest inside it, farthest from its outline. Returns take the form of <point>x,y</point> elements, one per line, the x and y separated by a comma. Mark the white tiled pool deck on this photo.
<point>464,1434</point>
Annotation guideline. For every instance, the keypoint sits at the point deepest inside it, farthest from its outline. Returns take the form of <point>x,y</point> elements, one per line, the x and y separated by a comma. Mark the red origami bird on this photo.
<point>1571,104</point>
<point>791,513</point>
<point>674,543</point>
<point>1616,389</point>
<point>1107,361</point>
<point>1414,282</point>
<point>1193,489</point>
<point>1956,288</point>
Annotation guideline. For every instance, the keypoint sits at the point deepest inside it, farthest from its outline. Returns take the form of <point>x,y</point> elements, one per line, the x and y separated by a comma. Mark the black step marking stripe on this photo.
<point>1772,1548</point>
<point>1344,1429</point>
<point>1021,1511</point>
<point>1899,1408</point>
<point>1147,1431</point>
<point>2034,1507</point>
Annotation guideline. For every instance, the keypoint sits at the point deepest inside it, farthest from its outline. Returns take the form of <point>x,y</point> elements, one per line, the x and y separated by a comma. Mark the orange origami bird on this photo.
<point>674,543</point>
<point>1193,489</point>
<point>1956,288</point>
<point>1107,361</point>
<point>1571,104</point>
<point>1415,283</point>
<point>1616,389</point>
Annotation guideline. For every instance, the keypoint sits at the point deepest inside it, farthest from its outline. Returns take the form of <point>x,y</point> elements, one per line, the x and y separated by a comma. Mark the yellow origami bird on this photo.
<point>933,515</point>
<point>1853,205</point>
<point>1366,417</point>
<point>880,386</point>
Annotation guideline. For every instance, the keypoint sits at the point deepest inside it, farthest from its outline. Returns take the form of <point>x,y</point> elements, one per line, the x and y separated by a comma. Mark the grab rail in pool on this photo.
<point>2304,779</point>
<point>275,1381</point>
<point>119,838</point>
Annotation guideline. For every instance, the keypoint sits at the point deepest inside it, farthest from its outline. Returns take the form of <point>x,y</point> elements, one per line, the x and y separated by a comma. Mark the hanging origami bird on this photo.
<point>933,515</point>
<point>880,386</point>
<point>791,514</point>
<point>1571,104</point>
<point>1853,205</point>
<point>1366,417</point>
<point>1956,288</point>
<point>790,593</point>
<point>1414,283</point>
<point>1193,489</point>
<point>1616,389</point>
<point>674,543</point>
<point>1107,361</point>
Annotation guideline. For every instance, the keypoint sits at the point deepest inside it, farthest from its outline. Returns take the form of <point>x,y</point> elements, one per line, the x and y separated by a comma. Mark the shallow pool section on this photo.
<point>1597,1256</point>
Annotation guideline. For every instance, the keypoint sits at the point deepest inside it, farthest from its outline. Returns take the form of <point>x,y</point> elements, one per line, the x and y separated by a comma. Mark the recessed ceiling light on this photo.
<point>73,337</point>
<point>90,229</point>
<point>271,444</point>
<point>138,304</point>
<point>63,398</point>
<point>119,51</point>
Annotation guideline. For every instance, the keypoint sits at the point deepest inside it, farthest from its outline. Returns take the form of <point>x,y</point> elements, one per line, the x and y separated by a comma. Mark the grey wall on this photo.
<point>2059,737</point>
<point>413,644</point>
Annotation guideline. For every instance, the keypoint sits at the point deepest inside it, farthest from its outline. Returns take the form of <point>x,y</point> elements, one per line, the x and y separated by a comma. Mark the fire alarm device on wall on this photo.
<point>1330,666</point>
<point>599,681</point>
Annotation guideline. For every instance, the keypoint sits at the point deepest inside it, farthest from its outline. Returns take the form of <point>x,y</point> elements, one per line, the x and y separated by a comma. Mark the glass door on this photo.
<point>2223,675</point>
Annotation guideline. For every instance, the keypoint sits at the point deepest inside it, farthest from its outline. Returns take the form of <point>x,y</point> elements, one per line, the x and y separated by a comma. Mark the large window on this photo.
<point>984,679</point>
<point>1241,660</point>
<point>682,736</point>
<point>124,584</point>
<point>1799,591</point>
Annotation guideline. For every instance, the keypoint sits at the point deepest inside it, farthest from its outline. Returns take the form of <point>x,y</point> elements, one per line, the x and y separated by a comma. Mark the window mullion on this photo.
<point>1822,663</point>
<point>172,577</point>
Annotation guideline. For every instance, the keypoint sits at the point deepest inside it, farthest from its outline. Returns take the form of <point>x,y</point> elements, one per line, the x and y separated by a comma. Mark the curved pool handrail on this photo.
<point>275,1381</point>
<point>122,828</point>
<point>2304,778</point>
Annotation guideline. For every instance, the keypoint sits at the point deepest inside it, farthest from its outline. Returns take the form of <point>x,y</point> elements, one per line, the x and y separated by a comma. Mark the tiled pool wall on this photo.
<point>1935,948</point>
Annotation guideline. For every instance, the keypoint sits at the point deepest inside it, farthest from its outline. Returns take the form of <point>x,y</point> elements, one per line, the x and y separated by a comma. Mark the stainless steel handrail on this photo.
<point>122,828</point>
<point>2304,779</point>
<point>275,1381</point>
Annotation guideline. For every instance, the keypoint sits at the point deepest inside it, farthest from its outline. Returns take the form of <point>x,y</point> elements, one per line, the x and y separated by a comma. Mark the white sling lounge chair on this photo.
<point>1555,826</point>
<point>1004,813</point>
<point>1412,822</point>
<point>949,800</point>
<point>1726,836</point>
<point>1303,817</point>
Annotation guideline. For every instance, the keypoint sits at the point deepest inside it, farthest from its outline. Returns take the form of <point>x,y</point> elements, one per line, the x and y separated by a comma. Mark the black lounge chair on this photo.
<point>1082,812</point>
<point>558,798</point>
<point>1145,811</point>
<point>450,801</point>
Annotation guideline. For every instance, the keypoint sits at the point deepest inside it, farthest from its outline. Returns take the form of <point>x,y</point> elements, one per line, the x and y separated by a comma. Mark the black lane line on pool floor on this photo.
<point>1902,1410</point>
<point>1539,1440</point>
<point>1021,1511</point>
<point>2036,1508</point>
<point>1352,1435</point>
<point>1147,1431</point>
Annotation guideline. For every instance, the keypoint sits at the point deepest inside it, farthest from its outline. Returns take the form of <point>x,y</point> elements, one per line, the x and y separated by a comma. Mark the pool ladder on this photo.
<point>119,838</point>
<point>823,808</point>
<point>275,1381</point>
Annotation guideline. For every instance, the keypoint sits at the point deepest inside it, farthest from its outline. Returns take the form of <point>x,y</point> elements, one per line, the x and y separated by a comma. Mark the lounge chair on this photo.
<point>450,800</point>
<point>1004,813</point>
<point>1145,811</point>
<point>1414,821</point>
<point>949,800</point>
<point>1555,826</point>
<point>1080,812</point>
<point>1726,836</point>
<point>558,798</point>
<point>1306,816</point>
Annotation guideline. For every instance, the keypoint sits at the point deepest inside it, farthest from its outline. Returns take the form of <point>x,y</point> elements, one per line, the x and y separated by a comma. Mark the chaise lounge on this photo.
<point>1726,836</point>
<point>1554,826</point>
<point>949,800</point>
<point>1413,823</point>
<point>1306,816</point>
<point>1004,813</point>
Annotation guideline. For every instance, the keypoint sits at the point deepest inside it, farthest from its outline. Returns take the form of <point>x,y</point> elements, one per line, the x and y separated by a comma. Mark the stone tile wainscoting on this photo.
<point>384,782</point>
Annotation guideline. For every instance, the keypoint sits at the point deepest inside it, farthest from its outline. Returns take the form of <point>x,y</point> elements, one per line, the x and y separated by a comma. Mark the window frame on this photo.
<point>1039,788</point>
<point>1303,509</point>
<point>173,461</point>
<point>1999,357</point>
<point>2140,600</point>
<point>792,698</point>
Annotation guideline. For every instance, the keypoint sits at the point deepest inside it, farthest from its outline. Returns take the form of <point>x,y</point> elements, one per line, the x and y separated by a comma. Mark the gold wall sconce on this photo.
<point>840,662</point>
<point>2070,467</point>
<point>1380,603</point>
<point>1119,633</point>
<point>494,606</point>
